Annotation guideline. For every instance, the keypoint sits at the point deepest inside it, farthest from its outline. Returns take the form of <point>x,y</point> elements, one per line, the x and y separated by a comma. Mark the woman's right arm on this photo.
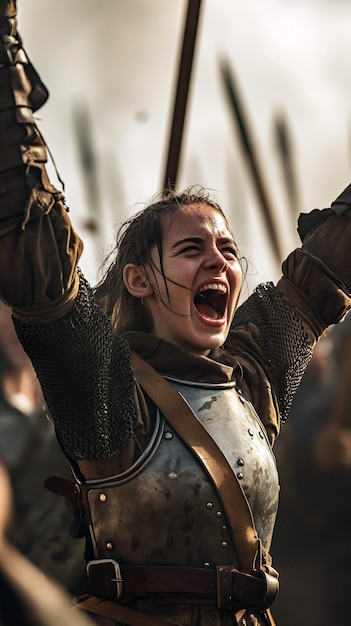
<point>84,371</point>
<point>39,249</point>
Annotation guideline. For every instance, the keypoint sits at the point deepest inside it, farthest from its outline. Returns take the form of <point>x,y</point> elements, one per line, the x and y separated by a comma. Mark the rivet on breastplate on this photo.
<point>224,527</point>
<point>168,435</point>
<point>219,514</point>
<point>206,564</point>
<point>241,462</point>
<point>251,432</point>
<point>172,475</point>
<point>102,497</point>
<point>240,475</point>
<point>224,544</point>
<point>261,434</point>
<point>109,546</point>
<point>209,505</point>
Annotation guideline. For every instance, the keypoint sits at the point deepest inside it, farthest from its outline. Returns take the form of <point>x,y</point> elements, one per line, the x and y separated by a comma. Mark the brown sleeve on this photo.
<point>321,270</point>
<point>39,249</point>
<point>316,292</point>
<point>330,242</point>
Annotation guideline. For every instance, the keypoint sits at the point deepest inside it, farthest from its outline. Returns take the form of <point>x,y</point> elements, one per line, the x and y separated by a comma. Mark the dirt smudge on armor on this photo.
<point>208,405</point>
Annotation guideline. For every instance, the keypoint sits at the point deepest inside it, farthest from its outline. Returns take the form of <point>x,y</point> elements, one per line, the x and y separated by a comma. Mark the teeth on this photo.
<point>214,287</point>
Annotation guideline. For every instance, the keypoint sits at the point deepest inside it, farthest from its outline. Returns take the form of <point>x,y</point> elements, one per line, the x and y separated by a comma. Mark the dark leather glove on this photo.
<point>309,221</point>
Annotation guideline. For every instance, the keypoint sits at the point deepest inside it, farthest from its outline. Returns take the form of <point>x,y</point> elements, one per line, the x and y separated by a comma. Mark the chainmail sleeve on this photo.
<point>86,377</point>
<point>283,344</point>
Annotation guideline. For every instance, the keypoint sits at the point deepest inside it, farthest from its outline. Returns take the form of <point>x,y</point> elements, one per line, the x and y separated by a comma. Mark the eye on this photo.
<point>229,252</point>
<point>191,248</point>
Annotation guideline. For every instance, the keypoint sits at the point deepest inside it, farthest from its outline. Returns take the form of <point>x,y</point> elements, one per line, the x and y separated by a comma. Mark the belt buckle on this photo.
<point>102,572</point>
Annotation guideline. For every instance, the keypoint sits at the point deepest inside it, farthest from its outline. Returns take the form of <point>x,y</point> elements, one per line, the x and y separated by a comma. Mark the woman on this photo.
<point>178,523</point>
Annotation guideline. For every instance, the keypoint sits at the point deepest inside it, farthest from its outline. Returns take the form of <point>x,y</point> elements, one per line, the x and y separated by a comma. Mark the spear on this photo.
<point>89,164</point>
<point>182,91</point>
<point>284,145</point>
<point>88,159</point>
<point>251,154</point>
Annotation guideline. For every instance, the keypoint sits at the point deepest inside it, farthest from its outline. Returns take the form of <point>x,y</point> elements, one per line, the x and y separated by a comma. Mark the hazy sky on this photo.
<point>115,62</point>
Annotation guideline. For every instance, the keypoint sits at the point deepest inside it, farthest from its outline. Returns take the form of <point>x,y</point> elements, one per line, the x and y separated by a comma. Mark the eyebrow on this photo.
<point>187,240</point>
<point>198,240</point>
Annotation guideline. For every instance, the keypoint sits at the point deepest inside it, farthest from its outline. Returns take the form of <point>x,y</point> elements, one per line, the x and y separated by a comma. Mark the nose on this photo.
<point>216,261</point>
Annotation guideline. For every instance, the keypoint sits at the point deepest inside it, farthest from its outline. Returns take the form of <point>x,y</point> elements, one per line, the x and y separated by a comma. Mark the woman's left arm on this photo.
<point>274,331</point>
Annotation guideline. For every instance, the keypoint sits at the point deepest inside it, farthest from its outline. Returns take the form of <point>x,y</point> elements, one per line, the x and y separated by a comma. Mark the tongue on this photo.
<point>207,311</point>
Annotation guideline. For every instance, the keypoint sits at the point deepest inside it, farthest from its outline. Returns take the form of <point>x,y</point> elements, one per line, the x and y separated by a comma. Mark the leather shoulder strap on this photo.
<point>189,428</point>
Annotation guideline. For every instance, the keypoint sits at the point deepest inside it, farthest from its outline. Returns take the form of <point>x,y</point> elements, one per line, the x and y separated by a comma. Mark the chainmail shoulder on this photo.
<point>86,377</point>
<point>284,341</point>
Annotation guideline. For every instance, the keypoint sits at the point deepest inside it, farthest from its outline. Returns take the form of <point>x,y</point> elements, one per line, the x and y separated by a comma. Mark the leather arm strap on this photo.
<point>189,428</point>
<point>114,611</point>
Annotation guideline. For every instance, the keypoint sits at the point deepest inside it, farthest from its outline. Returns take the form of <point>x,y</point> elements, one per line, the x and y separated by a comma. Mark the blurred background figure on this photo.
<point>312,543</point>
<point>27,597</point>
<point>30,452</point>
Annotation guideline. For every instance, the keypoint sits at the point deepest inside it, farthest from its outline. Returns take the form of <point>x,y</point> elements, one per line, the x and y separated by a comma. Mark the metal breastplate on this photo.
<point>164,509</point>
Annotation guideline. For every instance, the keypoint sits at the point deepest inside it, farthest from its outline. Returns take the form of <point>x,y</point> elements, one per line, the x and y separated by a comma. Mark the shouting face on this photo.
<point>194,287</point>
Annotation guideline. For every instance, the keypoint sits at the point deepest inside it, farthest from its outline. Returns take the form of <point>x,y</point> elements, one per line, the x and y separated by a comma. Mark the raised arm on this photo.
<point>62,328</point>
<point>275,330</point>
<point>39,249</point>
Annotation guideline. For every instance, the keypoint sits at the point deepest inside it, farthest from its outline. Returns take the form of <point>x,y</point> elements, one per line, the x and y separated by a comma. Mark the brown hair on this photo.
<point>135,238</point>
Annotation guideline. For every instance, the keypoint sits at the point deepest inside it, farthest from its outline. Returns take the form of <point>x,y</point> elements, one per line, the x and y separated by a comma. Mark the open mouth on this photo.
<point>211,301</point>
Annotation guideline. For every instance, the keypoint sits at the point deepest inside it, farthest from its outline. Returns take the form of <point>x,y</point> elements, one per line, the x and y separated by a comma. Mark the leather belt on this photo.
<point>228,587</point>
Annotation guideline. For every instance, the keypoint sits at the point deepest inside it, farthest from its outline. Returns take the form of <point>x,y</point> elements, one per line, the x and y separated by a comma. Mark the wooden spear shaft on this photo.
<point>182,91</point>
<point>250,152</point>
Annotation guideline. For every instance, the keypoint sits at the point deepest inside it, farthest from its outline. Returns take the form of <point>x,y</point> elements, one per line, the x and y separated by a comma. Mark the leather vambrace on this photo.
<point>21,93</point>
